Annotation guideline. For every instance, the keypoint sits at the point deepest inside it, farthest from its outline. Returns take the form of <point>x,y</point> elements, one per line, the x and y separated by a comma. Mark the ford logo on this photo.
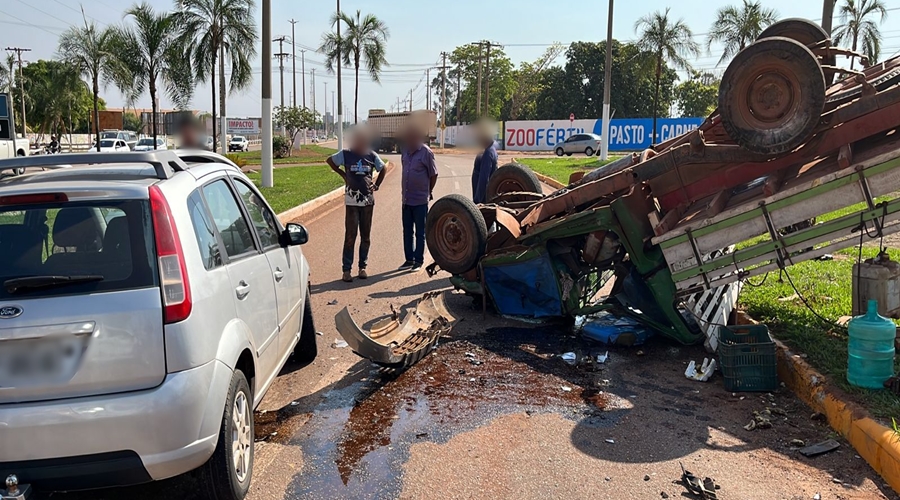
<point>9,312</point>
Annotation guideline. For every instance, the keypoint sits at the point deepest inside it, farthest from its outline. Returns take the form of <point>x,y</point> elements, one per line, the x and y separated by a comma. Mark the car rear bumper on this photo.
<point>75,443</point>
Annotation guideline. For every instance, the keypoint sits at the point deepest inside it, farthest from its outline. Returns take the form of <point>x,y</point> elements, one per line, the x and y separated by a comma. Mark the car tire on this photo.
<point>568,154</point>
<point>589,151</point>
<point>306,349</point>
<point>560,152</point>
<point>219,477</point>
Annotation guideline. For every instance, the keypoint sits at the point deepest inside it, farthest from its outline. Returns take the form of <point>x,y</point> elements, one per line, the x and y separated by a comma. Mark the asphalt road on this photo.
<point>493,412</point>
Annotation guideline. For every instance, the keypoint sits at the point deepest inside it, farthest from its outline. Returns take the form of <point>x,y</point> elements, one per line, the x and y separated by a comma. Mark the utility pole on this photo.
<point>410,100</point>
<point>607,84</point>
<point>312,74</point>
<point>294,61</point>
<point>18,51</point>
<point>478,91</point>
<point>340,102</point>
<point>281,55</point>
<point>303,74</point>
<point>487,83</point>
<point>325,114</point>
<point>333,108</point>
<point>443,96</point>
<point>428,89</point>
<point>266,93</point>
<point>827,17</point>
<point>458,95</point>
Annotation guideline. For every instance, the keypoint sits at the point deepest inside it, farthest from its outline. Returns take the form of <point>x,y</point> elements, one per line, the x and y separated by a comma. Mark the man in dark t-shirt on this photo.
<point>359,162</point>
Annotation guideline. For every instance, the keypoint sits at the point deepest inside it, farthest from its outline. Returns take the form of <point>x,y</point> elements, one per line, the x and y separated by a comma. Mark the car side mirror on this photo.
<point>294,234</point>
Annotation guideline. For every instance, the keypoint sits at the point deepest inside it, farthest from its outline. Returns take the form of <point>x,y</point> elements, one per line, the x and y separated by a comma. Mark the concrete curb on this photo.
<point>319,206</point>
<point>875,443</point>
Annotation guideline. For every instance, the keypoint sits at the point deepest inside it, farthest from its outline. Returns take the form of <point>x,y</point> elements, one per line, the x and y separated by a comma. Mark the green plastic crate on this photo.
<point>747,358</point>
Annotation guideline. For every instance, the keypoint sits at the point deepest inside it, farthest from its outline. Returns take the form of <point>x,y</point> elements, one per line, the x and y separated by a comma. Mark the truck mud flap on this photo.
<point>397,344</point>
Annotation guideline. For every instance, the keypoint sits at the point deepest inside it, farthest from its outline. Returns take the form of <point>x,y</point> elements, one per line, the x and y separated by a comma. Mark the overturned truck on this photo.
<point>786,145</point>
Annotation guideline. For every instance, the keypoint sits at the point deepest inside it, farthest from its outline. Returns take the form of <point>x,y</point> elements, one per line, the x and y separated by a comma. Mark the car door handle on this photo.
<point>242,290</point>
<point>279,274</point>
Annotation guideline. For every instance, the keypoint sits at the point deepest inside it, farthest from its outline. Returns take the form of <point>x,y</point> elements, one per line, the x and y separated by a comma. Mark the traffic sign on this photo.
<point>571,117</point>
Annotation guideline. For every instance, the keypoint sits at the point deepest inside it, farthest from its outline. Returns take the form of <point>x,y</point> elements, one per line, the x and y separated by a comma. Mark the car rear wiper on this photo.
<point>33,282</point>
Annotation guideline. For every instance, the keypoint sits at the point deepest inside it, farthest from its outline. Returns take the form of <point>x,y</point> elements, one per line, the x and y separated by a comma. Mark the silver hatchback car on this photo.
<point>579,143</point>
<point>148,301</point>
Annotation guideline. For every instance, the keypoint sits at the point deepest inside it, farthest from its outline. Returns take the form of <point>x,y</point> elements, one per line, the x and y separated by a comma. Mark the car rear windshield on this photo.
<point>109,242</point>
<point>145,142</point>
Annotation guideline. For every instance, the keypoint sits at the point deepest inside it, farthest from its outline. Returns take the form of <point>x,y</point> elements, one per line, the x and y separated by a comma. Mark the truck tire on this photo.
<point>456,233</point>
<point>513,178</point>
<point>772,96</point>
<point>804,31</point>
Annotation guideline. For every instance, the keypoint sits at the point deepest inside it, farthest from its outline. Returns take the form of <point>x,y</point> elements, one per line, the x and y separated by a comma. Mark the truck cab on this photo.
<point>10,145</point>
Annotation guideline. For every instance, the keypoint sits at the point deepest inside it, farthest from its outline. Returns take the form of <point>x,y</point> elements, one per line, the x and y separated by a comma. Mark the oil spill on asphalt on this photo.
<point>357,440</point>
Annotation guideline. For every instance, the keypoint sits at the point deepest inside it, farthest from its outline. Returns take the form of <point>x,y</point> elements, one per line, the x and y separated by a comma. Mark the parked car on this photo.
<point>128,136</point>
<point>112,146</point>
<point>239,143</point>
<point>150,314</point>
<point>579,143</point>
<point>210,142</point>
<point>146,144</point>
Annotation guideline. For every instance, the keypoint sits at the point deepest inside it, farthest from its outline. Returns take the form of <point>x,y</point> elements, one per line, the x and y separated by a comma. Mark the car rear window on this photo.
<point>108,239</point>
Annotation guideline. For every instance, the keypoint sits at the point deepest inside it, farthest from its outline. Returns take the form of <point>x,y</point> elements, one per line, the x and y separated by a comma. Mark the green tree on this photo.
<point>856,27</point>
<point>152,53</point>
<point>57,98</point>
<point>466,58</point>
<point>698,96</point>
<point>93,53</point>
<point>362,42</point>
<point>737,27</point>
<point>529,82</point>
<point>668,41</point>
<point>295,119</point>
<point>131,121</point>
<point>7,72</point>
<point>215,31</point>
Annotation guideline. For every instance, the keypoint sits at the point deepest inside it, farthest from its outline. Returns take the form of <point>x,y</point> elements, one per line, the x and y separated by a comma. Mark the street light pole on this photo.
<point>294,62</point>
<point>607,84</point>
<point>266,93</point>
<point>340,102</point>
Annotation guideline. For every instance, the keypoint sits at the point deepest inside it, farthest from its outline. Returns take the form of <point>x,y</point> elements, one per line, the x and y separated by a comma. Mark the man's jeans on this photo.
<point>414,215</point>
<point>357,219</point>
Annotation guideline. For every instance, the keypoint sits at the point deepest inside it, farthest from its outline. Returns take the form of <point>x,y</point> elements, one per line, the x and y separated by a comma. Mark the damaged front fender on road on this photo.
<point>397,344</point>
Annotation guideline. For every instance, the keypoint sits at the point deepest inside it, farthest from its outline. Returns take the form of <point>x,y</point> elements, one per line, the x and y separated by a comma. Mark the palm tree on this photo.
<point>737,27</point>
<point>856,28</point>
<point>6,72</point>
<point>92,51</point>
<point>213,30</point>
<point>667,41</point>
<point>363,42</point>
<point>150,50</point>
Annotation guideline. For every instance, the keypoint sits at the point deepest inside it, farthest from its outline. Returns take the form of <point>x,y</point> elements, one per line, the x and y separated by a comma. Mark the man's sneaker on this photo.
<point>416,267</point>
<point>347,277</point>
<point>363,274</point>
<point>406,265</point>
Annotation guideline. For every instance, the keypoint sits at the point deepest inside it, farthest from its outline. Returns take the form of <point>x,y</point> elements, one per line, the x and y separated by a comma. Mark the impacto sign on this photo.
<point>626,134</point>
<point>246,126</point>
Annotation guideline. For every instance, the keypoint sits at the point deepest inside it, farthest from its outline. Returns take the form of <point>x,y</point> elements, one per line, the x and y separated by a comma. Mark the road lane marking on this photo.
<point>456,185</point>
<point>452,173</point>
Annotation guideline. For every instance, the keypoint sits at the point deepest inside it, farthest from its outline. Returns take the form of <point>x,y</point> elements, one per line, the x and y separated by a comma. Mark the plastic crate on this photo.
<point>747,358</point>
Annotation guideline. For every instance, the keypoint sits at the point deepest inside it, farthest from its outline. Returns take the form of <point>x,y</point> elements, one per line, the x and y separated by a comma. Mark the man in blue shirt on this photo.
<point>485,166</point>
<point>419,177</point>
<point>359,163</point>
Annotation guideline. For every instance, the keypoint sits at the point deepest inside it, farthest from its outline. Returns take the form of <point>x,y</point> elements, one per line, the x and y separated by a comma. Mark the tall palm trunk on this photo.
<point>96,110</point>
<point>355,96</point>
<point>855,40</point>
<point>212,88</point>
<point>656,98</point>
<point>153,107</point>
<point>222,94</point>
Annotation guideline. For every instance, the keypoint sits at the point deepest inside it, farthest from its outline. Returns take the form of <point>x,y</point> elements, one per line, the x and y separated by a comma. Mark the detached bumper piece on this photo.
<point>395,344</point>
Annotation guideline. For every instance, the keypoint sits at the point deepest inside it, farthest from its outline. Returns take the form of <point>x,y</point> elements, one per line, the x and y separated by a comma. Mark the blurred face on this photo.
<point>360,140</point>
<point>188,135</point>
<point>413,138</point>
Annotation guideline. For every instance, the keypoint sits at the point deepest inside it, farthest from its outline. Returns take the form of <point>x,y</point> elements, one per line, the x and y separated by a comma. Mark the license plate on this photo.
<point>35,361</point>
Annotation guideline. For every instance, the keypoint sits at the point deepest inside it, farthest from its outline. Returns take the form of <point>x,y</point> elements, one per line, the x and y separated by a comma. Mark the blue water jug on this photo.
<point>871,349</point>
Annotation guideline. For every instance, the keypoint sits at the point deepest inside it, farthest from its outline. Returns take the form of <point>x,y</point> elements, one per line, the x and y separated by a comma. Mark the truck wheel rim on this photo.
<point>241,440</point>
<point>510,186</point>
<point>772,97</point>
<point>455,237</point>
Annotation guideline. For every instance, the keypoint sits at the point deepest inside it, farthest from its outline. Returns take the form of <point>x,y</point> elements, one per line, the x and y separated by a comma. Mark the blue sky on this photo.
<point>419,32</point>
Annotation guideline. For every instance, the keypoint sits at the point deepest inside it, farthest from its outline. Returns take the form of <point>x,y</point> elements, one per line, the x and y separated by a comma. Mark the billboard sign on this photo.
<point>243,126</point>
<point>625,134</point>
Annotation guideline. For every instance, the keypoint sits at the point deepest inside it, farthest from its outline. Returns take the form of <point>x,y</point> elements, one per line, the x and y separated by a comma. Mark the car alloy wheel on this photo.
<point>241,440</point>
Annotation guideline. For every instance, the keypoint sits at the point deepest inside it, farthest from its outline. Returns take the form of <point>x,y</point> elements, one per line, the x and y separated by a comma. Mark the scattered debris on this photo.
<point>421,435</point>
<point>295,403</point>
<point>817,416</point>
<point>566,388</point>
<point>826,256</point>
<point>893,384</point>
<point>607,328</point>
<point>475,362</point>
<point>777,411</point>
<point>611,441</point>
<point>332,302</point>
<point>817,497</point>
<point>646,477</point>
<point>705,489</point>
<point>608,478</point>
<point>836,481</point>
<point>706,370</point>
<point>569,357</point>
<point>761,420</point>
<point>339,344</point>
<point>820,448</point>
<point>640,352</point>
<point>320,334</point>
<point>798,443</point>
<point>789,298</point>
<point>470,355</point>
<point>663,494</point>
<point>601,358</point>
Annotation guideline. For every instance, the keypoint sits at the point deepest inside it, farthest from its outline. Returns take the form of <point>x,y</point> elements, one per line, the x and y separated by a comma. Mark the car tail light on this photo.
<point>176,289</point>
<point>31,199</point>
